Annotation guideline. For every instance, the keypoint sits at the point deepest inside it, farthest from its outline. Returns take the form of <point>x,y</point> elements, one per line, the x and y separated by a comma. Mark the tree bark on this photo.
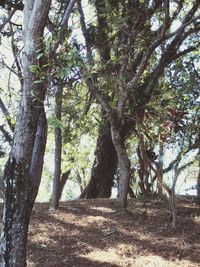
<point>58,152</point>
<point>104,166</point>
<point>63,180</point>
<point>198,181</point>
<point>123,163</point>
<point>24,167</point>
<point>160,165</point>
<point>198,186</point>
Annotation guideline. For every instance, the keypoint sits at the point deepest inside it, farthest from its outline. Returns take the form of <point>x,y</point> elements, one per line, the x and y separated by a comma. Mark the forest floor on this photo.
<point>95,233</point>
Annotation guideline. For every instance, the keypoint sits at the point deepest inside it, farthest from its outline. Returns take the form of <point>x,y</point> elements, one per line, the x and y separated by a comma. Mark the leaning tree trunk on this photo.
<point>24,167</point>
<point>104,166</point>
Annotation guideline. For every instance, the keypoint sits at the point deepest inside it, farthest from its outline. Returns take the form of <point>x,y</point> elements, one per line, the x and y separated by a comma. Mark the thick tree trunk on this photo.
<point>104,167</point>
<point>24,167</point>
<point>58,152</point>
<point>22,183</point>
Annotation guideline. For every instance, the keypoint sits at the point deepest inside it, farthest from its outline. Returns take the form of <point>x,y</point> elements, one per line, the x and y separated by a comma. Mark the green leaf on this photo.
<point>34,69</point>
<point>40,55</point>
<point>48,43</point>
<point>64,73</point>
<point>38,81</point>
<point>54,122</point>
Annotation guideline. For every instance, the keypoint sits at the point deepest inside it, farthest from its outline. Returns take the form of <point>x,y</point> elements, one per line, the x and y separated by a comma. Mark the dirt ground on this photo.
<point>95,233</point>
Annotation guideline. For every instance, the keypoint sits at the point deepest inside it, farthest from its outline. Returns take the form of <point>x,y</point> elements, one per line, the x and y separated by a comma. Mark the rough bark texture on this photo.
<point>23,169</point>
<point>104,167</point>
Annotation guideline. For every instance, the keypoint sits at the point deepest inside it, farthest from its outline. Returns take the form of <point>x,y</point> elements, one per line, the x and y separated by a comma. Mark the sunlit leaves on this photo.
<point>53,122</point>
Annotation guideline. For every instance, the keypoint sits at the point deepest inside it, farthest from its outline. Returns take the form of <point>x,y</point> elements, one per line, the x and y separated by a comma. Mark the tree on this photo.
<point>104,166</point>
<point>58,151</point>
<point>24,167</point>
<point>135,70</point>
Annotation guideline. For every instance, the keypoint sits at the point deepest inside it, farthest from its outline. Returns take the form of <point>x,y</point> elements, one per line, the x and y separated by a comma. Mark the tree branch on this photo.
<point>85,34</point>
<point>18,5</point>
<point>6,134</point>
<point>7,20</point>
<point>63,26</point>
<point>7,115</point>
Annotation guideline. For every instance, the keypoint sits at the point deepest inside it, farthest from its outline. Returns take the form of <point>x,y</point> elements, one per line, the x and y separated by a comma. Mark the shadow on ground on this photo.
<point>95,233</point>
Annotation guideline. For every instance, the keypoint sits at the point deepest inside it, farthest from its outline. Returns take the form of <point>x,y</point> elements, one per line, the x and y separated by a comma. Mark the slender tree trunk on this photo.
<point>144,157</point>
<point>104,166</point>
<point>24,167</point>
<point>123,163</point>
<point>160,163</point>
<point>171,198</point>
<point>58,152</point>
<point>198,186</point>
<point>63,180</point>
<point>198,179</point>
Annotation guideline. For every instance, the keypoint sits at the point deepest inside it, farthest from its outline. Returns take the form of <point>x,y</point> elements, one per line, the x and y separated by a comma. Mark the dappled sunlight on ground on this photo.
<point>96,233</point>
<point>103,209</point>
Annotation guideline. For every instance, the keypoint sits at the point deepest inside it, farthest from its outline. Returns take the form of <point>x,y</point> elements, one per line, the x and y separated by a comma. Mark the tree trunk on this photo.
<point>24,167</point>
<point>104,167</point>
<point>63,180</point>
<point>58,152</point>
<point>160,163</point>
<point>144,156</point>
<point>123,163</point>
<point>198,184</point>
<point>168,193</point>
<point>22,183</point>
<point>198,187</point>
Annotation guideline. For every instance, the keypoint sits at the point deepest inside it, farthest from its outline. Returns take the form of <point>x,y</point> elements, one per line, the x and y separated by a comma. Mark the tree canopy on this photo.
<point>121,74</point>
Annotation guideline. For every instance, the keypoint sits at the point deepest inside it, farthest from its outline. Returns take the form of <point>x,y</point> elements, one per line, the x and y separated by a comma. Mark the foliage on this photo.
<point>119,35</point>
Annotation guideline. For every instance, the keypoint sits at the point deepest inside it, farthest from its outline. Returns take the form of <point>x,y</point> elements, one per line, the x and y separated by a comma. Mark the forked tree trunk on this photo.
<point>22,184</point>
<point>24,167</point>
<point>104,167</point>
